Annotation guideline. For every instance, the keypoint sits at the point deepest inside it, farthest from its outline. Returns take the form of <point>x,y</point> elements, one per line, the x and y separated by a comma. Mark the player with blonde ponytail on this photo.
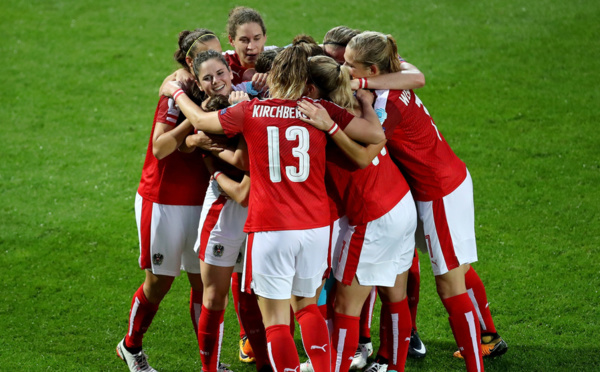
<point>376,221</point>
<point>442,187</point>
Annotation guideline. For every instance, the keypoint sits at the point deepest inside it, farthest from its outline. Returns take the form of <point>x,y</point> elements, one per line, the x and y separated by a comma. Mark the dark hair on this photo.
<point>265,60</point>
<point>205,56</point>
<point>216,103</point>
<point>240,16</point>
<point>189,39</point>
<point>339,36</point>
<point>311,46</point>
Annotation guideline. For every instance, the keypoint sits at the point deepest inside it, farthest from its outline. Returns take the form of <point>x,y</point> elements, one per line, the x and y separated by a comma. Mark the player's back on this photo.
<point>287,168</point>
<point>417,146</point>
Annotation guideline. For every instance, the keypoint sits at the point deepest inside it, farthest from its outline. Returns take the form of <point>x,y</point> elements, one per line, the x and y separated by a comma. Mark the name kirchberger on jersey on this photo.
<point>281,112</point>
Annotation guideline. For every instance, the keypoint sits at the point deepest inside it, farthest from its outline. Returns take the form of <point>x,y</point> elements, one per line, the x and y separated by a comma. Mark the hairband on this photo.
<point>195,41</point>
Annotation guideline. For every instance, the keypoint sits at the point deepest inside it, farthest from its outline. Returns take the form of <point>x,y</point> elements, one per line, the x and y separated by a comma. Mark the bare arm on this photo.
<point>238,191</point>
<point>409,77</point>
<point>167,138</point>
<point>238,157</point>
<point>367,128</point>
<point>181,75</point>
<point>208,142</point>
<point>319,118</point>
<point>201,120</point>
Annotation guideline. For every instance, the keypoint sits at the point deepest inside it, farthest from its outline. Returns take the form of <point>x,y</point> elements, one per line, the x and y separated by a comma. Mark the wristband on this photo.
<point>177,93</point>
<point>334,128</point>
<point>362,83</point>
<point>366,84</point>
<point>217,174</point>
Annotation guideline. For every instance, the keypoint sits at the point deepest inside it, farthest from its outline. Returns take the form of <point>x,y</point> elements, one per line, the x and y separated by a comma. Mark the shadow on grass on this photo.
<point>518,358</point>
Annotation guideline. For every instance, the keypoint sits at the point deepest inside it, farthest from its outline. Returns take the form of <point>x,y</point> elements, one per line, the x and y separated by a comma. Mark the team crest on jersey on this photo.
<point>157,259</point>
<point>218,250</point>
<point>223,111</point>
<point>381,114</point>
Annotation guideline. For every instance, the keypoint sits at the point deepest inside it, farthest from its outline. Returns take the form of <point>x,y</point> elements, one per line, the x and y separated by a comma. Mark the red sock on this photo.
<point>398,334</point>
<point>210,336</point>
<point>412,288</point>
<point>315,337</point>
<point>323,311</point>
<point>476,291</point>
<point>140,317</point>
<point>235,293</point>
<point>366,314</point>
<point>344,341</point>
<point>282,349</point>
<point>384,326</point>
<point>251,317</point>
<point>463,321</point>
<point>195,307</point>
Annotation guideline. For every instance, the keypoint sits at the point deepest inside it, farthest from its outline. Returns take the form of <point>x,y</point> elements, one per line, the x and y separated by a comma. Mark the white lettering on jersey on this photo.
<point>301,152</point>
<point>294,174</point>
<point>405,97</point>
<point>282,112</point>
<point>419,103</point>
<point>274,166</point>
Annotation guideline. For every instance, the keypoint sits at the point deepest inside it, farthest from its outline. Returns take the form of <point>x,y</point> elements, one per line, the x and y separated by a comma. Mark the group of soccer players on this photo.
<point>264,172</point>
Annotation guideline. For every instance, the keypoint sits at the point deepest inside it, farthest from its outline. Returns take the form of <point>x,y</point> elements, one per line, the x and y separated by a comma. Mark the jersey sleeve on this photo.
<point>232,118</point>
<point>340,115</point>
<point>167,112</point>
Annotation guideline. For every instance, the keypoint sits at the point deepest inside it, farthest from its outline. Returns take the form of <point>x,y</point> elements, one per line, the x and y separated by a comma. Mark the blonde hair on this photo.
<point>332,80</point>
<point>374,48</point>
<point>289,73</point>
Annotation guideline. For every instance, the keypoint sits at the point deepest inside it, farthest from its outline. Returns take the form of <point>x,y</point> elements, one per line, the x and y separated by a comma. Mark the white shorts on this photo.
<point>282,263</point>
<point>340,228</point>
<point>449,228</point>
<point>167,234</point>
<point>379,250</point>
<point>221,237</point>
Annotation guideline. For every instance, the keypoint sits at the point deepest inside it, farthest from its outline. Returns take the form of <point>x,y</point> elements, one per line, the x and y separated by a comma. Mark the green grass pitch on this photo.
<point>513,85</point>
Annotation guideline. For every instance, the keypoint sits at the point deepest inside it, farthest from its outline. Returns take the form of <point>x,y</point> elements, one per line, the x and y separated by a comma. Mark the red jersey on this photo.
<point>235,65</point>
<point>287,163</point>
<point>179,178</point>
<point>366,194</point>
<point>416,145</point>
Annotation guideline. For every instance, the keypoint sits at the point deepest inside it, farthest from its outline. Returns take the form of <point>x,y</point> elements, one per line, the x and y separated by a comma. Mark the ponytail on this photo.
<point>332,80</point>
<point>374,48</point>
<point>289,74</point>
<point>189,42</point>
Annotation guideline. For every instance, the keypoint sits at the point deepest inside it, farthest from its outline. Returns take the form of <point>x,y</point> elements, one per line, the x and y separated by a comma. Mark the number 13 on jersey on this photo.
<point>293,133</point>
